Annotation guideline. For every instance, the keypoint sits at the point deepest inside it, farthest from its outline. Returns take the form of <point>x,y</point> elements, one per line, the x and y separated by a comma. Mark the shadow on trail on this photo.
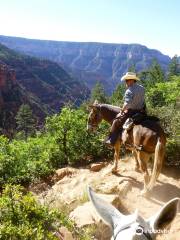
<point>132,180</point>
<point>164,192</point>
<point>171,171</point>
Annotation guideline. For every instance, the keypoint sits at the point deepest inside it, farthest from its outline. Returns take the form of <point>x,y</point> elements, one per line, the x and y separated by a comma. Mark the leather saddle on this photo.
<point>138,118</point>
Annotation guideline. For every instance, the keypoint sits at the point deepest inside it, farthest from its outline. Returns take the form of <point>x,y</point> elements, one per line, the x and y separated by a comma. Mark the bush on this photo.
<point>169,118</point>
<point>24,161</point>
<point>21,217</point>
<point>65,141</point>
<point>164,93</point>
<point>75,143</point>
<point>173,152</point>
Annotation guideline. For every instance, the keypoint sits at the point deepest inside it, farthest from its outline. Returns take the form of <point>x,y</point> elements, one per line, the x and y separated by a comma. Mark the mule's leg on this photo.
<point>116,156</point>
<point>143,159</point>
<point>137,166</point>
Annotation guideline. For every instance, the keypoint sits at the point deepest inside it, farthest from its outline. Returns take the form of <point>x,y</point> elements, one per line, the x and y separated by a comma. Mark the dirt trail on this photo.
<point>73,187</point>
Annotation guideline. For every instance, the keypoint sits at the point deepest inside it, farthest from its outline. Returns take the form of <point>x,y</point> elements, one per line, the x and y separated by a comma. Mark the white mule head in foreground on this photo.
<point>134,227</point>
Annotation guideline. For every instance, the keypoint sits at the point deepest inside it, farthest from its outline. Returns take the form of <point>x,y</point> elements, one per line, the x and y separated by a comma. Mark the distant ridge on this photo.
<point>91,61</point>
<point>42,84</point>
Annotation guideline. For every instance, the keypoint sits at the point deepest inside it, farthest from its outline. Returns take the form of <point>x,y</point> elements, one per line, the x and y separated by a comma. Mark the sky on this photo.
<point>153,23</point>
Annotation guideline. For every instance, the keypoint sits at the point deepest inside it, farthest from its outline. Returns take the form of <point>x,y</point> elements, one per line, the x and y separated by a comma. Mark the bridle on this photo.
<point>98,116</point>
<point>145,233</point>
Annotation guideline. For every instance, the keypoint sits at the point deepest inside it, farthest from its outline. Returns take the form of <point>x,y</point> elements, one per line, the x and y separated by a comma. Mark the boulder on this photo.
<point>113,187</point>
<point>64,234</point>
<point>86,214</point>
<point>96,167</point>
<point>63,172</point>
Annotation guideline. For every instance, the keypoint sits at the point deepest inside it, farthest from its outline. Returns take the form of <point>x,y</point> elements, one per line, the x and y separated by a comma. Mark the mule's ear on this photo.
<point>165,216</point>
<point>108,212</point>
<point>96,102</point>
<point>93,105</point>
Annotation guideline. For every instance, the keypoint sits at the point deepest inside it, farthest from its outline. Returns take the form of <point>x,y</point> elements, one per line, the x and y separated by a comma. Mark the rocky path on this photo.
<point>123,190</point>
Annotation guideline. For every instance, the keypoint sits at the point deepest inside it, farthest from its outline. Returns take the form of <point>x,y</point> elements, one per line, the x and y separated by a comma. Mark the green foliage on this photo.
<point>169,118</point>
<point>163,100</point>
<point>132,68</point>
<point>153,75</point>
<point>173,151</point>
<point>164,93</point>
<point>25,161</point>
<point>75,143</point>
<point>25,120</point>
<point>174,67</point>
<point>21,217</point>
<point>118,94</point>
<point>98,93</point>
<point>65,141</point>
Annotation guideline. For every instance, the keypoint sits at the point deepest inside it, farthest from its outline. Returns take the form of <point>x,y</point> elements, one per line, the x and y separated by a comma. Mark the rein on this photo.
<point>99,114</point>
<point>112,111</point>
<point>146,234</point>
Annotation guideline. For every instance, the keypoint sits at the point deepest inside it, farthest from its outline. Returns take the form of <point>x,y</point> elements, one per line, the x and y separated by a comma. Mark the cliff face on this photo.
<point>91,62</point>
<point>10,98</point>
<point>7,77</point>
<point>7,81</point>
<point>42,84</point>
<point>44,80</point>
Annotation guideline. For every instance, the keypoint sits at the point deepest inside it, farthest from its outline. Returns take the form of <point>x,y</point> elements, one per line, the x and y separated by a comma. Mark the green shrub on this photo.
<point>21,217</point>
<point>164,93</point>
<point>169,118</point>
<point>7,162</point>
<point>173,152</point>
<point>75,143</point>
<point>65,141</point>
<point>25,161</point>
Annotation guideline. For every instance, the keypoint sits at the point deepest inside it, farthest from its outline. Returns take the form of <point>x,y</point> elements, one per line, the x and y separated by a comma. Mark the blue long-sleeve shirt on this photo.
<point>134,97</point>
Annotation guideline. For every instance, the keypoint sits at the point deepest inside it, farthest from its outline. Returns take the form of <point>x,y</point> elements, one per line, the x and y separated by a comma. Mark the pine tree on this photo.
<point>153,75</point>
<point>98,93</point>
<point>132,68</point>
<point>174,67</point>
<point>25,120</point>
<point>156,72</point>
<point>117,96</point>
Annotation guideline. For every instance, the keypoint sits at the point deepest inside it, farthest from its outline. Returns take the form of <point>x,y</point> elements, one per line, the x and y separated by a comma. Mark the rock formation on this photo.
<point>91,62</point>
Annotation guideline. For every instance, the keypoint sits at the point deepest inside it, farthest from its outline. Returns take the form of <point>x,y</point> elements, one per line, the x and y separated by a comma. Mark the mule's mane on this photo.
<point>114,109</point>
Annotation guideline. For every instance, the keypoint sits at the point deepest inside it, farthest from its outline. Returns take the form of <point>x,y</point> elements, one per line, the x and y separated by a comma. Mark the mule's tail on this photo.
<point>158,162</point>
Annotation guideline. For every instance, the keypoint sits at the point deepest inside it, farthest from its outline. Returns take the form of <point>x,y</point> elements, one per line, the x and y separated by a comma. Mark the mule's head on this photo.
<point>134,227</point>
<point>94,117</point>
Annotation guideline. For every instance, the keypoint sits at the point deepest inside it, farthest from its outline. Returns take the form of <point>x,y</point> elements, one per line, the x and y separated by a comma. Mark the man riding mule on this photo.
<point>145,139</point>
<point>134,103</point>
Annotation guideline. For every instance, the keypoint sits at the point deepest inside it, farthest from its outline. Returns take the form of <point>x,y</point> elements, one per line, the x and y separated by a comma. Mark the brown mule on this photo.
<point>144,140</point>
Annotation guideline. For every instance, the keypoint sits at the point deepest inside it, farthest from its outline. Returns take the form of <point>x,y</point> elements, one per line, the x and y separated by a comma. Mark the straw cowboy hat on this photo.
<point>130,75</point>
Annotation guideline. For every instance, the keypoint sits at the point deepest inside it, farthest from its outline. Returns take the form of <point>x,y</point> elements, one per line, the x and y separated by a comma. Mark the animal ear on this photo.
<point>165,216</point>
<point>108,212</point>
<point>93,105</point>
<point>96,102</point>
